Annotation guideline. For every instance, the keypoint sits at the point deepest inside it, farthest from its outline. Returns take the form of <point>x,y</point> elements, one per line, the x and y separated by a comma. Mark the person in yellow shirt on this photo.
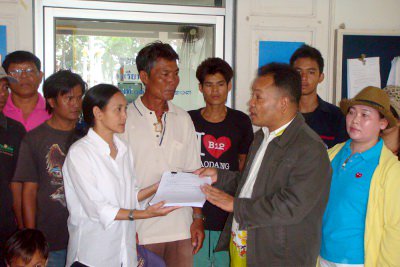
<point>361,224</point>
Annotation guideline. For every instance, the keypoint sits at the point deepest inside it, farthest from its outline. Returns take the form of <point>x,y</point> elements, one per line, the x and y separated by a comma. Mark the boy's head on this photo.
<point>63,92</point>
<point>26,248</point>
<point>214,75</point>
<point>309,63</point>
<point>25,68</point>
<point>214,65</point>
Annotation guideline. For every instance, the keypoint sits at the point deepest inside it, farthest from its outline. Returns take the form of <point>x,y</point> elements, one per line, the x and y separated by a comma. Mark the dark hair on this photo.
<point>23,244</point>
<point>286,78</point>
<point>306,51</point>
<point>214,65</point>
<point>97,96</point>
<point>21,57</point>
<point>149,54</point>
<point>61,83</point>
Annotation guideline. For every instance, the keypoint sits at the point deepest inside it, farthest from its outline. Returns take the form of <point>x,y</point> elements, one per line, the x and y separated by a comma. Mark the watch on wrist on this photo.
<point>199,216</point>
<point>130,215</point>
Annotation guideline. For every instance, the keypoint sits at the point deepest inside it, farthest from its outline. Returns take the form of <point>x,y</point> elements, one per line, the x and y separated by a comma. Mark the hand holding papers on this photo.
<point>181,189</point>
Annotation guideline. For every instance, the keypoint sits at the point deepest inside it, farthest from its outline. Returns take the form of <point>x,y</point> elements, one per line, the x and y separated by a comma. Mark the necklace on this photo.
<point>158,127</point>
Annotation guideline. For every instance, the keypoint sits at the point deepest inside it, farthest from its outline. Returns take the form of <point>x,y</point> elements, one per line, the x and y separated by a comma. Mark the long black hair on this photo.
<point>97,96</point>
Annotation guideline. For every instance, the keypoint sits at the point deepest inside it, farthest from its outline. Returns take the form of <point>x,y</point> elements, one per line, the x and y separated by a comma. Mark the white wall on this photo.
<point>17,16</point>
<point>367,14</point>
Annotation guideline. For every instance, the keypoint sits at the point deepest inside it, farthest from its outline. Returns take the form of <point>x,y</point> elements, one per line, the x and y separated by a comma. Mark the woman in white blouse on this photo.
<point>100,189</point>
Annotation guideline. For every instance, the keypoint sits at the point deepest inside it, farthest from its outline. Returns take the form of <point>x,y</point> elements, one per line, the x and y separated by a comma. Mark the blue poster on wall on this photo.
<point>3,42</point>
<point>276,51</point>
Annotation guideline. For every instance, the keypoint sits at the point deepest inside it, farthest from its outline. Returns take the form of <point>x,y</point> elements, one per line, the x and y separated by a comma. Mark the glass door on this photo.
<point>101,46</point>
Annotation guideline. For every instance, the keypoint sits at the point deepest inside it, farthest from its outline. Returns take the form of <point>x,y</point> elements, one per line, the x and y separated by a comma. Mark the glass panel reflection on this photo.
<point>105,52</point>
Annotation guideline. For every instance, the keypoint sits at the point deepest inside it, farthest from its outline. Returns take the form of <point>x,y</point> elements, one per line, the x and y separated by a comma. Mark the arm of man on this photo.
<point>309,179</point>
<point>29,202</point>
<point>16,190</point>
<point>25,173</point>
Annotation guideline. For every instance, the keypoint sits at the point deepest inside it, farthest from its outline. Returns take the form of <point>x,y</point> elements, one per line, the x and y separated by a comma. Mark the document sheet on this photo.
<point>362,73</point>
<point>181,189</point>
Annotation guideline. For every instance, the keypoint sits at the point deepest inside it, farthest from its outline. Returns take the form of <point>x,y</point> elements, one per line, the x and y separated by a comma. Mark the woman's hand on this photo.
<point>159,209</point>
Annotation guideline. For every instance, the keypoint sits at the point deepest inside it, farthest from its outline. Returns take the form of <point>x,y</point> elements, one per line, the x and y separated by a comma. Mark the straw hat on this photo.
<point>373,97</point>
<point>394,94</point>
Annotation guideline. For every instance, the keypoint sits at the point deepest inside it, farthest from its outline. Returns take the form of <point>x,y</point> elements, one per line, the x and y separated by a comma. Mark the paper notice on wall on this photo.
<point>362,73</point>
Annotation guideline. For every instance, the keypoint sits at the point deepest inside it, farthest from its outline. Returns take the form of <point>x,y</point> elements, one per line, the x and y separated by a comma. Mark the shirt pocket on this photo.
<point>176,156</point>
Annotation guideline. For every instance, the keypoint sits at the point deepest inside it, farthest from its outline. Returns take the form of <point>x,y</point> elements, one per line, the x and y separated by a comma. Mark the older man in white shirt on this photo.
<point>162,137</point>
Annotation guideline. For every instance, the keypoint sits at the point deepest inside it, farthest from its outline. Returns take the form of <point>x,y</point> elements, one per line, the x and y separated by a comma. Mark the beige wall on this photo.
<point>17,16</point>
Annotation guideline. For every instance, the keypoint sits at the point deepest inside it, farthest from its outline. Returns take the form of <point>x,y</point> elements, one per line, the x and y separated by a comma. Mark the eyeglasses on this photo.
<point>18,72</point>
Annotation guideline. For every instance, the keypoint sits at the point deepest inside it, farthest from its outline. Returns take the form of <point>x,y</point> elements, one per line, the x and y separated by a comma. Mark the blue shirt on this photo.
<point>343,223</point>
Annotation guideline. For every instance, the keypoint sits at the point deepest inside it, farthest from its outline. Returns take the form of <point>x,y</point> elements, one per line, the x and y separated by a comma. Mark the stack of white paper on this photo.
<point>181,189</point>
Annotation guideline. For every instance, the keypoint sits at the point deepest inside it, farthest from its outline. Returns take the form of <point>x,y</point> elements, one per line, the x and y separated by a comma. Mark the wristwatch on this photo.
<point>198,216</point>
<point>130,215</point>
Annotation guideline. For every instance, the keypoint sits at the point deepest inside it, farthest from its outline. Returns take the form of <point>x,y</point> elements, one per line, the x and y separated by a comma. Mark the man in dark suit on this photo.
<point>282,193</point>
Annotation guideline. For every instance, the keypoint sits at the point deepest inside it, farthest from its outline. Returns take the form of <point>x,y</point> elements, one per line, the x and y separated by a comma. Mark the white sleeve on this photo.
<point>193,161</point>
<point>80,173</point>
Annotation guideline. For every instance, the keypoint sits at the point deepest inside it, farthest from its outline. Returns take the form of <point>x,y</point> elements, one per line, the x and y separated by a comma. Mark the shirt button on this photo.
<point>151,112</point>
<point>157,135</point>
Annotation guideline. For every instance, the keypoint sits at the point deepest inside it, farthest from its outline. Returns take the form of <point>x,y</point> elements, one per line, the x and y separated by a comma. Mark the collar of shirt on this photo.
<point>322,105</point>
<point>3,121</point>
<point>278,132</point>
<point>143,110</point>
<point>371,154</point>
<point>103,146</point>
<point>40,105</point>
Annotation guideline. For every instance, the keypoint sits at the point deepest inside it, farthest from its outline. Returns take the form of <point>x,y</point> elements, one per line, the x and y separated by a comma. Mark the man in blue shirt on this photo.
<point>324,118</point>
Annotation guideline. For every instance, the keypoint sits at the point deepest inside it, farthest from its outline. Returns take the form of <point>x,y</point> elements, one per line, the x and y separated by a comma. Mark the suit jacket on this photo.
<point>283,217</point>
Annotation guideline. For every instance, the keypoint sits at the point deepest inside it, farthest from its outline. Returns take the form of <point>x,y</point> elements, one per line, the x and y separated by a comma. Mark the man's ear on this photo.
<point>200,88</point>
<point>230,85</point>
<point>284,102</point>
<point>321,78</point>
<point>144,77</point>
<point>41,74</point>
<point>52,102</point>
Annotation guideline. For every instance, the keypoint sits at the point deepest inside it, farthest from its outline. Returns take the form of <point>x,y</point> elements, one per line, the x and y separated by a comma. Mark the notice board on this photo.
<point>352,44</point>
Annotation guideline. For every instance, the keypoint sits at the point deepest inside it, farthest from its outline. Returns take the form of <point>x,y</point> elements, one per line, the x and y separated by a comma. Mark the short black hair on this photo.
<point>24,244</point>
<point>20,56</point>
<point>285,77</point>
<point>60,83</point>
<point>306,51</point>
<point>214,65</point>
<point>97,96</point>
<point>149,54</point>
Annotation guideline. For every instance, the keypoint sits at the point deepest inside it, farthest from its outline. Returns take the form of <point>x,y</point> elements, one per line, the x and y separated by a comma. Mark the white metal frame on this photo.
<point>339,53</point>
<point>47,10</point>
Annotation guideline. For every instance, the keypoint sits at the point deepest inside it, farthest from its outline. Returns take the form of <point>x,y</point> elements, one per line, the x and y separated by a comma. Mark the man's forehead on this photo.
<point>22,64</point>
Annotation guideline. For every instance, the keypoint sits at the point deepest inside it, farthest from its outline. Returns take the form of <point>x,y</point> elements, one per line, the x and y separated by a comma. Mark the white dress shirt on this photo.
<point>96,187</point>
<point>175,148</point>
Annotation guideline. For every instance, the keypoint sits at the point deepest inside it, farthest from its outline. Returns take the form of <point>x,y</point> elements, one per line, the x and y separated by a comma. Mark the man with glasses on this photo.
<point>25,104</point>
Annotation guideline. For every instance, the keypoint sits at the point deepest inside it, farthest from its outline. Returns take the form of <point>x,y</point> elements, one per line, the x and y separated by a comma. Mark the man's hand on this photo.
<point>197,234</point>
<point>218,198</point>
<point>212,172</point>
